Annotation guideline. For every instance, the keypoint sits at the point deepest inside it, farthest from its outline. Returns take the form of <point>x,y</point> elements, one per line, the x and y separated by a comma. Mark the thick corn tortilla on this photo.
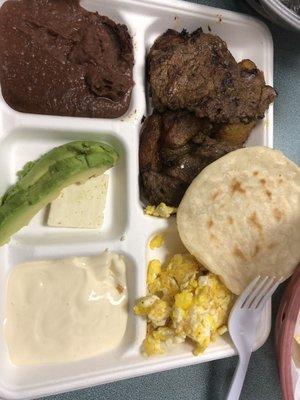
<point>240,217</point>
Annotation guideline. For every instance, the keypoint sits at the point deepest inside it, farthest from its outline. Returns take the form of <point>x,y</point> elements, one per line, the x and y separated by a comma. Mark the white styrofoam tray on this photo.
<point>24,137</point>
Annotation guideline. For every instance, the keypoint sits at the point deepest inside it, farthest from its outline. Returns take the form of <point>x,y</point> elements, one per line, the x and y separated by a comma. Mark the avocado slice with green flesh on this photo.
<point>41,181</point>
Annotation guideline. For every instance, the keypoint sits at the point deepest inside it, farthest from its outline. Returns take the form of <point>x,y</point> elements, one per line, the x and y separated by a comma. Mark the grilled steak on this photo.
<point>174,148</point>
<point>198,73</point>
<point>205,105</point>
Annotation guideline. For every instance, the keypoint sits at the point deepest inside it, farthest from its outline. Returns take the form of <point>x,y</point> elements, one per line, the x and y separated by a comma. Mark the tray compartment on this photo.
<point>22,145</point>
<point>108,9</point>
<point>172,246</point>
<point>17,379</point>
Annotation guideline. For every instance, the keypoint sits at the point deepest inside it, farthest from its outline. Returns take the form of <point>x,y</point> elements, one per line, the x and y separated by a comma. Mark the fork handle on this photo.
<point>239,377</point>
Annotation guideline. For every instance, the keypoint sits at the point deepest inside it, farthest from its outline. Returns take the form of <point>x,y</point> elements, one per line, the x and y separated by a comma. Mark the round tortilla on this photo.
<point>240,217</point>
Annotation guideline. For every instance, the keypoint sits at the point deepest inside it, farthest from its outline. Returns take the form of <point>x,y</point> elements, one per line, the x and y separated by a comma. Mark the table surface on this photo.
<point>210,381</point>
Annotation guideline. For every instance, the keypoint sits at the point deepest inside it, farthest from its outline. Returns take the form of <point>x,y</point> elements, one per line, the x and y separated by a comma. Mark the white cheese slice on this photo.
<point>80,205</point>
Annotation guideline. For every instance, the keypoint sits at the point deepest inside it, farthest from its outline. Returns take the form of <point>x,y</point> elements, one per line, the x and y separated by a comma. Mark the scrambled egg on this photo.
<point>156,241</point>
<point>183,301</point>
<point>162,210</point>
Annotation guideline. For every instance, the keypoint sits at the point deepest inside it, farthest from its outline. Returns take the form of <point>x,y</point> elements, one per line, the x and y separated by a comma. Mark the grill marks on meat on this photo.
<point>174,148</point>
<point>205,105</point>
<point>197,72</point>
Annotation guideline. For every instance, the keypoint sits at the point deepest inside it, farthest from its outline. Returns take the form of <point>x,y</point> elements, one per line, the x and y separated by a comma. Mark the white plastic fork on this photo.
<point>243,323</point>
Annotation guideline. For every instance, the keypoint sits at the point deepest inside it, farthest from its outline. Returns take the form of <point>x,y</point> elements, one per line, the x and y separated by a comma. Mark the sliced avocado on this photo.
<point>41,181</point>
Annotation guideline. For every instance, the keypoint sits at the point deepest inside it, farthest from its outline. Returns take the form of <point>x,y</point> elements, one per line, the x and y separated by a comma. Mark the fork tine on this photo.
<point>269,283</point>
<point>264,292</point>
<point>269,294</point>
<point>254,293</point>
<point>241,299</point>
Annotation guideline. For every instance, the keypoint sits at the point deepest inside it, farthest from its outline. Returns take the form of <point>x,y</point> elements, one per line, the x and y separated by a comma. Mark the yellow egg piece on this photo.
<point>154,269</point>
<point>156,241</point>
<point>162,210</point>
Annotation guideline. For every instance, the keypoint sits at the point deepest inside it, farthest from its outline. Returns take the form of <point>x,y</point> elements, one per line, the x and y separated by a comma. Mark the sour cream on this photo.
<point>65,310</point>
